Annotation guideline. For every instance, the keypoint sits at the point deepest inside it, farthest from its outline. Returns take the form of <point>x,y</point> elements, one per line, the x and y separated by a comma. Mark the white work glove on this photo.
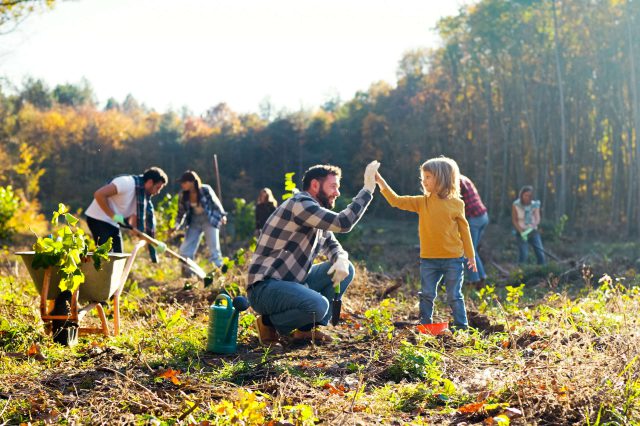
<point>339,270</point>
<point>370,175</point>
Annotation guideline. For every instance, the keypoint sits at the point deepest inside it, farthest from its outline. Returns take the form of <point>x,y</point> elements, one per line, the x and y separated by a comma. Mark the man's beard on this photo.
<point>324,200</point>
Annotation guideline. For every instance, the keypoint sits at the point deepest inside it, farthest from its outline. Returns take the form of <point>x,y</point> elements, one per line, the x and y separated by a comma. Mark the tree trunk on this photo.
<point>634,104</point>
<point>562,192</point>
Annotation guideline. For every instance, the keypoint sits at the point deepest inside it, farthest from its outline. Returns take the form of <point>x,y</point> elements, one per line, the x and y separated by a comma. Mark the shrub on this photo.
<point>9,204</point>
<point>243,219</point>
<point>415,363</point>
<point>67,248</point>
<point>166,211</point>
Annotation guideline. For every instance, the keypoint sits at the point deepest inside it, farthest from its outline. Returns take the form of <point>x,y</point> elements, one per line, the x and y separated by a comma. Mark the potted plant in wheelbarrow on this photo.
<point>65,272</point>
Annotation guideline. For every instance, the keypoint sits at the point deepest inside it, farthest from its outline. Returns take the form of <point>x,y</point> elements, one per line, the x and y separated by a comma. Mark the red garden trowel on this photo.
<point>189,262</point>
<point>336,307</point>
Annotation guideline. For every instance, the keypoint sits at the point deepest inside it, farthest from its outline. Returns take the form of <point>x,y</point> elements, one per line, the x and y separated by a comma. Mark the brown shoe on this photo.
<point>314,335</point>
<point>267,335</point>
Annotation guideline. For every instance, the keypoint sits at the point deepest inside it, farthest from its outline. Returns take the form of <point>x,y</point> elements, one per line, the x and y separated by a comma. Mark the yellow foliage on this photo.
<point>28,218</point>
<point>196,128</point>
<point>62,126</point>
<point>28,170</point>
<point>114,127</point>
<point>248,409</point>
<point>52,129</point>
<point>5,164</point>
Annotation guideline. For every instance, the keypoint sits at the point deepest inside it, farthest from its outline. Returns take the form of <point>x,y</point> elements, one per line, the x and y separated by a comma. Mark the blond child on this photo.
<point>445,239</point>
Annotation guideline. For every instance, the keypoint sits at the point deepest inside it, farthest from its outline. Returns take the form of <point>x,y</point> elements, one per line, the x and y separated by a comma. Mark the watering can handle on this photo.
<point>224,297</point>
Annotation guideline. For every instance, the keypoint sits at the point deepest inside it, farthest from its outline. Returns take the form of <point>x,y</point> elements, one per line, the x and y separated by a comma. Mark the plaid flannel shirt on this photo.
<point>297,232</point>
<point>473,205</point>
<point>144,211</point>
<point>208,200</point>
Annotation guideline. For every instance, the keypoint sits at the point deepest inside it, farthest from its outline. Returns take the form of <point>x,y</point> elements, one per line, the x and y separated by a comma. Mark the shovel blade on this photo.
<point>195,268</point>
<point>335,311</point>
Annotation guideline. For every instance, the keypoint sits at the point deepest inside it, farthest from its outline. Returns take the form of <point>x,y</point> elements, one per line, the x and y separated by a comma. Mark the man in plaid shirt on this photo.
<point>476,214</point>
<point>284,286</point>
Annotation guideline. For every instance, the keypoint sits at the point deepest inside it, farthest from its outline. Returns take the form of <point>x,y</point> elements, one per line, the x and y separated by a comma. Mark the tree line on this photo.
<point>519,92</point>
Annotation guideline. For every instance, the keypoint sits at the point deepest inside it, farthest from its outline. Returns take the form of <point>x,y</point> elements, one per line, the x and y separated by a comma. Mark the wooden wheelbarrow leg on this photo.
<point>104,328</point>
<point>123,279</point>
<point>44,292</point>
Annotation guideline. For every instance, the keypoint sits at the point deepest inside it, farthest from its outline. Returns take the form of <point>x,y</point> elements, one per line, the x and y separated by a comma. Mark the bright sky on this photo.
<point>198,53</point>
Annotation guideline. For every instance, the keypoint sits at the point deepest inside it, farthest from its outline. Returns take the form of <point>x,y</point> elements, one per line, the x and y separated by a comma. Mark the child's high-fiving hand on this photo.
<point>380,181</point>
<point>472,264</point>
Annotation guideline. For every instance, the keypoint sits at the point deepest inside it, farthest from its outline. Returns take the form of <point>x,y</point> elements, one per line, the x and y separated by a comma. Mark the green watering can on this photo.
<point>223,323</point>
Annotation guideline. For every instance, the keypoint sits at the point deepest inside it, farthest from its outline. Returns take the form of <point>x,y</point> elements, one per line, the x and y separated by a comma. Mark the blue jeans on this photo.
<point>432,272</point>
<point>523,247</point>
<point>291,305</point>
<point>200,225</point>
<point>477,226</point>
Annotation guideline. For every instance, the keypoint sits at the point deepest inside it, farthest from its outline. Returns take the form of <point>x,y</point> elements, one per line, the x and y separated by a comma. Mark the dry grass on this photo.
<point>561,360</point>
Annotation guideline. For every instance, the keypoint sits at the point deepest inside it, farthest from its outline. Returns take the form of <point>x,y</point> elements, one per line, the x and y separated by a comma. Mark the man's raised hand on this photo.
<point>370,175</point>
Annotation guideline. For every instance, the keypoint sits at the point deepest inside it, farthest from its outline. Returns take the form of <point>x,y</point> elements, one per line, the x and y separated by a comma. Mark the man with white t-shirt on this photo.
<point>126,199</point>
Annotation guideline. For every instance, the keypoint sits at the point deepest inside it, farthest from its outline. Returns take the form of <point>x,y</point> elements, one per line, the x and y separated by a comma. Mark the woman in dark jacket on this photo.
<point>265,205</point>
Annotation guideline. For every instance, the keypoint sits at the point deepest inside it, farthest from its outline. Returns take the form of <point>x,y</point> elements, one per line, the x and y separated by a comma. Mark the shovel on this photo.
<point>189,262</point>
<point>336,307</point>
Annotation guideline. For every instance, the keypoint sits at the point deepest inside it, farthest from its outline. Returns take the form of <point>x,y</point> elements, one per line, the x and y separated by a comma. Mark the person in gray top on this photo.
<point>290,293</point>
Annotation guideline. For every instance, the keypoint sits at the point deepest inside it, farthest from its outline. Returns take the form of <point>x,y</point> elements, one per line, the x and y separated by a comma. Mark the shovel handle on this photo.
<point>151,240</point>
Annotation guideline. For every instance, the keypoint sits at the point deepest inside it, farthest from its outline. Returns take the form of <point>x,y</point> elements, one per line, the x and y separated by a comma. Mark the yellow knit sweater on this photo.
<point>444,231</point>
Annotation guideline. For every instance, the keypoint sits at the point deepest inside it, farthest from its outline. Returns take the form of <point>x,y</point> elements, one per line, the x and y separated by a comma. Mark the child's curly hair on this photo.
<point>446,174</point>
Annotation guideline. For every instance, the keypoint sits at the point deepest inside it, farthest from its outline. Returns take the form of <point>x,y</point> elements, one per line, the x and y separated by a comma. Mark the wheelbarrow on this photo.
<point>98,288</point>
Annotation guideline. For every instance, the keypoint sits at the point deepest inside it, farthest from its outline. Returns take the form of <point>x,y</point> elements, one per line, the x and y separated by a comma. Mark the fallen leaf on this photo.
<point>334,390</point>
<point>33,350</point>
<point>563,393</point>
<point>172,375</point>
<point>359,408</point>
<point>471,408</point>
